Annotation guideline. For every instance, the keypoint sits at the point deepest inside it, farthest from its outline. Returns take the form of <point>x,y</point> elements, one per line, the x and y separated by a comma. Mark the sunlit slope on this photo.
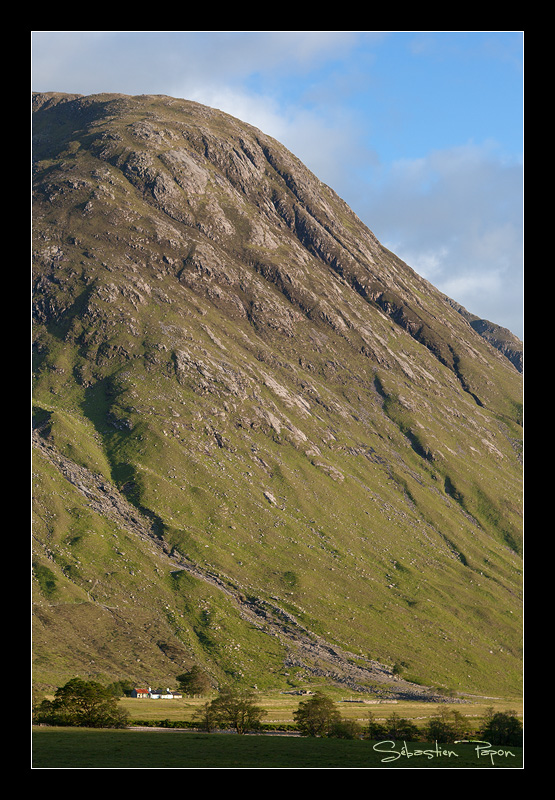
<point>287,407</point>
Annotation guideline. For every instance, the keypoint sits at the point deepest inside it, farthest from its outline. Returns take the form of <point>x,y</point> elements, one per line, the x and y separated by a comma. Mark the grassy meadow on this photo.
<point>155,748</point>
<point>77,748</point>
<point>280,708</point>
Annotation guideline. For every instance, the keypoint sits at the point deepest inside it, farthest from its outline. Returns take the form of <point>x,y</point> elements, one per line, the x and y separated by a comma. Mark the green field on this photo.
<point>163,748</point>
<point>159,747</point>
<point>280,708</point>
<point>71,748</point>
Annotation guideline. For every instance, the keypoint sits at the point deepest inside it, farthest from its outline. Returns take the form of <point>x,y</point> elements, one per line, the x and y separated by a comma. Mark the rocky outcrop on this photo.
<point>500,338</point>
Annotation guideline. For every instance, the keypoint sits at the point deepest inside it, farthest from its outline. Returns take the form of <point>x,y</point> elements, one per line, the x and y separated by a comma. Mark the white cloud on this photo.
<point>455,216</point>
<point>174,62</point>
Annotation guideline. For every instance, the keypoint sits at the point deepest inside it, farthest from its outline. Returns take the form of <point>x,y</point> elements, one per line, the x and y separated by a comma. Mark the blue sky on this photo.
<point>420,132</point>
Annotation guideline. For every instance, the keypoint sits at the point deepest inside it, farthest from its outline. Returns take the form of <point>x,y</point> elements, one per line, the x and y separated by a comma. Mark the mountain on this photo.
<point>261,442</point>
<point>501,338</point>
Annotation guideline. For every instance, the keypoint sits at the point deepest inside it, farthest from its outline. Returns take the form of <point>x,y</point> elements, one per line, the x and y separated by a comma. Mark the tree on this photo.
<point>83,704</point>
<point>122,688</point>
<point>397,727</point>
<point>205,717</point>
<point>234,708</point>
<point>375,730</point>
<point>317,715</point>
<point>502,727</point>
<point>345,729</point>
<point>447,726</point>
<point>194,682</point>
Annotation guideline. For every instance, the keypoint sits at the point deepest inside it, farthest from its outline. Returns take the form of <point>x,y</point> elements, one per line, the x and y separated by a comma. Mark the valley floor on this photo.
<point>71,748</point>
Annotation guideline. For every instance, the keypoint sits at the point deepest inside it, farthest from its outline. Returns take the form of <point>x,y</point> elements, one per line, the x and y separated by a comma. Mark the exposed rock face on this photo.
<point>500,338</point>
<point>286,405</point>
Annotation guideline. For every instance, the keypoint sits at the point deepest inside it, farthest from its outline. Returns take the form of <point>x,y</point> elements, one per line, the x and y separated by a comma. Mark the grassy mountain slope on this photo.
<point>263,443</point>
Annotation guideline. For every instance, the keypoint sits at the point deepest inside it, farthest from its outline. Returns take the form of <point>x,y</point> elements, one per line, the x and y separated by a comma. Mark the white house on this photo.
<point>157,694</point>
<point>140,693</point>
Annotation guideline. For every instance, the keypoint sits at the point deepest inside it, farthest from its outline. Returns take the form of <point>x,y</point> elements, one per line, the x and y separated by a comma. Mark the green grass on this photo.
<point>85,748</point>
<point>281,706</point>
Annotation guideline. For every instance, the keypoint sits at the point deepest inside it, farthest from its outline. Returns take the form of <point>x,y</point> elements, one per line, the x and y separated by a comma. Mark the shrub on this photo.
<point>345,729</point>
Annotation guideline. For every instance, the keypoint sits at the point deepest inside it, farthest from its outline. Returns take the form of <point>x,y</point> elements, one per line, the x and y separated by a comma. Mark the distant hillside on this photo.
<point>262,443</point>
<point>500,338</point>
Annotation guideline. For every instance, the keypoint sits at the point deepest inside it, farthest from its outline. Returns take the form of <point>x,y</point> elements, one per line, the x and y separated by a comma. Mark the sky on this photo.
<point>420,132</point>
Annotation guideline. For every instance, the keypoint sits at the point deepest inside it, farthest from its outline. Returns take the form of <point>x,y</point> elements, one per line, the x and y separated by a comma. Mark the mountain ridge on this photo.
<point>220,338</point>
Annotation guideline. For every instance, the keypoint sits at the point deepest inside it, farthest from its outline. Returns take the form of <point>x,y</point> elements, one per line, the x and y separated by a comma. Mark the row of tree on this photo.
<point>319,716</point>
<point>89,704</point>
<point>449,725</point>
